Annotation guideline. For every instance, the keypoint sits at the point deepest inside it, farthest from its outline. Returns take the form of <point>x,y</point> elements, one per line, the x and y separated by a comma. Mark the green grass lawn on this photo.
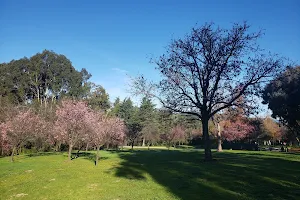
<point>154,174</point>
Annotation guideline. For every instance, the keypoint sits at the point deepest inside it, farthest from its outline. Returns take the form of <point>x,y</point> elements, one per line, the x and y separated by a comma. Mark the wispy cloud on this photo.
<point>123,71</point>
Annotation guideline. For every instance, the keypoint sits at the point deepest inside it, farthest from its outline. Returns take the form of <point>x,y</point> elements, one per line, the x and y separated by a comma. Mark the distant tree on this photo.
<point>98,98</point>
<point>126,109</point>
<point>273,129</point>
<point>116,107</point>
<point>45,75</point>
<point>236,129</point>
<point>14,81</point>
<point>146,114</point>
<point>209,70</point>
<point>282,96</point>
<point>232,116</point>
<point>151,133</point>
<point>177,134</point>
<point>134,128</point>
<point>130,115</point>
<point>257,124</point>
<point>165,121</point>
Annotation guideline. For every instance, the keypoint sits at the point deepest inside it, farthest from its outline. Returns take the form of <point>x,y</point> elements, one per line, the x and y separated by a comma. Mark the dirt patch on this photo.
<point>20,195</point>
<point>92,186</point>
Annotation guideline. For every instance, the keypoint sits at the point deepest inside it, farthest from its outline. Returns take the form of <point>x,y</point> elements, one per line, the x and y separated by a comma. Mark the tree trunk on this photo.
<point>143,144</point>
<point>41,101</point>
<point>97,155</point>
<point>148,146</point>
<point>59,146</point>
<point>38,93</point>
<point>12,154</point>
<point>132,145</point>
<point>219,139</point>
<point>70,151</point>
<point>52,100</point>
<point>45,102</point>
<point>87,147</point>
<point>207,145</point>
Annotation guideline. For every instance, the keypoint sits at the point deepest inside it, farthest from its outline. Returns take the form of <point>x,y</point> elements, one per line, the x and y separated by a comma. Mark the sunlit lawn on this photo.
<point>155,174</point>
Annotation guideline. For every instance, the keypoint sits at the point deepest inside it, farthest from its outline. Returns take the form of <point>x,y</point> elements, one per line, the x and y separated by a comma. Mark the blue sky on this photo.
<point>113,39</point>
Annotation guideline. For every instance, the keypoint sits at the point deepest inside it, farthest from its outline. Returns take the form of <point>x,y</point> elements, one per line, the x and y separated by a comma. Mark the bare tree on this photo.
<point>208,70</point>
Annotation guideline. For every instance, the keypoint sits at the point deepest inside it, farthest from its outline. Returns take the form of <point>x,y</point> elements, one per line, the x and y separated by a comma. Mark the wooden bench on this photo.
<point>294,150</point>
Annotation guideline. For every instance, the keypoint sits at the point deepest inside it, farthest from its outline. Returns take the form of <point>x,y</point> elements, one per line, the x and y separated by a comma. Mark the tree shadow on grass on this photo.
<point>87,155</point>
<point>232,176</point>
<point>50,153</point>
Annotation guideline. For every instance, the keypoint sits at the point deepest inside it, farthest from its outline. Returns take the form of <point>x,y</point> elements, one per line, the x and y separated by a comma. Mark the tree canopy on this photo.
<point>282,96</point>
<point>44,75</point>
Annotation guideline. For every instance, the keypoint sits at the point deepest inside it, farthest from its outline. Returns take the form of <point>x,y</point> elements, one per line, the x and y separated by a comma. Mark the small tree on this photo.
<point>176,134</point>
<point>19,129</point>
<point>72,123</point>
<point>106,130</point>
<point>133,132</point>
<point>5,147</point>
<point>150,133</point>
<point>272,129</point>
<point>146,115</point>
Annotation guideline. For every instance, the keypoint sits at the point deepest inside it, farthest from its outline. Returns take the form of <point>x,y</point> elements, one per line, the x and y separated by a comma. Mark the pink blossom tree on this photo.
<point>17,130</point>
<point>73,122</point>
<point>116,131</point>
<point>106,130</point>
<point>236,129</point>
<point>3,139</point>
<point>176,134</point>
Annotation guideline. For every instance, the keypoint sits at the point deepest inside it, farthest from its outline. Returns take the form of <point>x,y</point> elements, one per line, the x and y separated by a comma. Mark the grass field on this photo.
<point>155,174</point>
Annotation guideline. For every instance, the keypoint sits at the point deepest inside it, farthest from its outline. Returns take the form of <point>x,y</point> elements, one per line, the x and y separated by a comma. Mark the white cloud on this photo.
<point>120,70</point>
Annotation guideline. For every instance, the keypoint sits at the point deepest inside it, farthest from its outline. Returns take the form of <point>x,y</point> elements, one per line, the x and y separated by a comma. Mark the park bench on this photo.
<point>294,150</point>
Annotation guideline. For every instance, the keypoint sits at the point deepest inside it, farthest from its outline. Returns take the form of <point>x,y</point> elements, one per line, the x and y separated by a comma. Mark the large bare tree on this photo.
<point>209,70</point>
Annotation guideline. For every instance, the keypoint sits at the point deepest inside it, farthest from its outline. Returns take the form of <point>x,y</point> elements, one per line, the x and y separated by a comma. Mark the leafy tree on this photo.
<point>134,127</point>
<point>14,81</point>
<point>273,129</point>
<point>98,99</point>
<point>42,76</point>
<point>146,114</point>
<point>126,109</point>
<point>282,96</point>
<point>257,124</point>
<point>151,133</point>
<point>209,70</point>
<point>130,115</point>
<point>116,107</point>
